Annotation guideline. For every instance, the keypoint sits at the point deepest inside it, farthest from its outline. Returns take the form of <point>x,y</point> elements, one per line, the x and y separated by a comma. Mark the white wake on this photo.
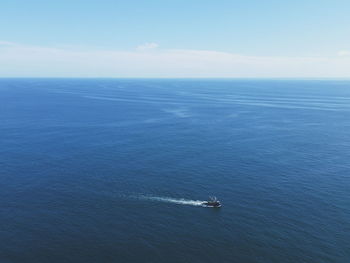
<point>179,201</point>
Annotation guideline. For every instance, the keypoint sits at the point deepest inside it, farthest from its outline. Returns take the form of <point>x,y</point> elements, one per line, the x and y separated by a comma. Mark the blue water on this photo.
<point>104,170</point>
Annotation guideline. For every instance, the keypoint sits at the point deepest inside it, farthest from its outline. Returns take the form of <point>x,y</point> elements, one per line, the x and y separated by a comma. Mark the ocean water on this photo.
<point>108,170</point>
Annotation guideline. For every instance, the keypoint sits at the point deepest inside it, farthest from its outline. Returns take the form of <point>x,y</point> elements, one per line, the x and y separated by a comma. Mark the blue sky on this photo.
<point>158,38</point>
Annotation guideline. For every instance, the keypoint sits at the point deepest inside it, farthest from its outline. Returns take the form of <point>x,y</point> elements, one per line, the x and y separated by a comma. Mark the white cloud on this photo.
<point>7,43</point>
<point>147,46</point>
<point>344,53</point>
<point>35,61</point>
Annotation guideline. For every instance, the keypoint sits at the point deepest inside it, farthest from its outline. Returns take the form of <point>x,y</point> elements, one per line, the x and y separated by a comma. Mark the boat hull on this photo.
<point>211,205</point>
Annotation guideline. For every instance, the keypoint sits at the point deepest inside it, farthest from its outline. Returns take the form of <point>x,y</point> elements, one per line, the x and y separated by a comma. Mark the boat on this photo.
<point>212,202</point>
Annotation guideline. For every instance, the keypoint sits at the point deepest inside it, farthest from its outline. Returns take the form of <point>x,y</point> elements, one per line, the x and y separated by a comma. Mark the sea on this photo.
<point>116,170</point>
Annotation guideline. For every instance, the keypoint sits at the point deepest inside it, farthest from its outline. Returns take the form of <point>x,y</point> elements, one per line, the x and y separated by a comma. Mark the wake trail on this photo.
<point>179,201</point>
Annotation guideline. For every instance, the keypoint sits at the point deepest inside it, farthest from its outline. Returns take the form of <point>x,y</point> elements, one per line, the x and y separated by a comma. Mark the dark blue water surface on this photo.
<point>106,170</point>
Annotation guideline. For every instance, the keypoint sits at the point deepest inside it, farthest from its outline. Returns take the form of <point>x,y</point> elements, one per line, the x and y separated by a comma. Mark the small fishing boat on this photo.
<point>212,202</point>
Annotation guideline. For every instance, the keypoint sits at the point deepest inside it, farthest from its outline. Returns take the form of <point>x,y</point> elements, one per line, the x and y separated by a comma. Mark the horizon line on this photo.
<point>184,78</point>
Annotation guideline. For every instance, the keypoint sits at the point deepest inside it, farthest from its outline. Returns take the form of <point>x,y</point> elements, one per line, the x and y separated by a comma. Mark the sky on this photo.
<point>175,39</point>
